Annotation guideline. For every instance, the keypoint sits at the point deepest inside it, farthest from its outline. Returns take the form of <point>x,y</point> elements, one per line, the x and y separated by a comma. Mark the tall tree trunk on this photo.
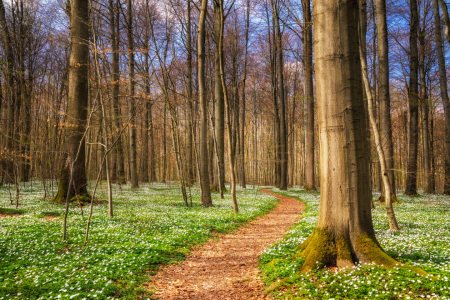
<point>25,86</point>
<point>219,113</point>
<point>276,115</point>
<point>309,96</point>
<point>242,138</point>
<point>432,183</point>
<point>424,112</point>
<point>383,92</point>
<point>428,182</point>
<point>131,101</point>
<point>344,233</point>
<point>231,152</point>
<point>10,97</point>
<point>73,170</point>
<point>204,176</point>
<point>164,173</point>
<point>148,104</point>
<point>444,93</point>
<point>378,144</point>
<point>190,100</point>
<point>411,171</point>
<point>152,151</point>
<point>280,76</point>
<point>119,173</point>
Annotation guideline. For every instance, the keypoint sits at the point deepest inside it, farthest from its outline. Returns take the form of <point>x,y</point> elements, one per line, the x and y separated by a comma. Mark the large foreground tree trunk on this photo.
<point>77,106</point>
<point>344,234</point>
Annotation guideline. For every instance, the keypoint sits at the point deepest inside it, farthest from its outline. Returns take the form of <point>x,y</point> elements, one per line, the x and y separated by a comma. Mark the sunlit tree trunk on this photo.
<point>73,170</point>
<point>383,92</point>
<point>378,143</point>
<point>344,233</point>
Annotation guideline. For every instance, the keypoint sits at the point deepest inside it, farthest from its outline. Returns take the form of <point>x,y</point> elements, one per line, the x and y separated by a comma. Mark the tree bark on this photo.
<point>203,163</point>
<point>344,233</point>
<point>276,115</point>
<point>280,77</point>
<point>432,177</point>
<point>190,100</point>
<point>378,144</point>
<point>219,109</point>
<point>383,92</point>
<point>10,96</point>
<point>119,174</point>
<point>242,138</point>
<point>309,96</point>
<point>73,170</point>
<point>411,171</point>
<point>444,93</point>
<point>424,109</point>
<point>147,117</point>
<point>446,19</point>
<point>231,152</point>
<point>131,101</point>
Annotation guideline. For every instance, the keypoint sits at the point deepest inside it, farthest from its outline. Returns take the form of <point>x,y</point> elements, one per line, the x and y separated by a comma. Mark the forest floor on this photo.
<point>227,268</point>
<point>151,227</point>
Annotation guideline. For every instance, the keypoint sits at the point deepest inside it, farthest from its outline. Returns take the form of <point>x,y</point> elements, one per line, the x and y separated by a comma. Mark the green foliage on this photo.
<point>11,211</point>
<point>50,214</point>
<point>151,227</point>
<point>423,242</point>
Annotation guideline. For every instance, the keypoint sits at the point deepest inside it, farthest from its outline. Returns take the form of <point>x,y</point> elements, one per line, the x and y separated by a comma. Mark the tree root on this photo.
<point>322,248</point>
<point>381,200</point>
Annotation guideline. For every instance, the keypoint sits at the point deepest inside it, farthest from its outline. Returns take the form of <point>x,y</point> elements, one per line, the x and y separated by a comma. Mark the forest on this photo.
<point>224,149</point>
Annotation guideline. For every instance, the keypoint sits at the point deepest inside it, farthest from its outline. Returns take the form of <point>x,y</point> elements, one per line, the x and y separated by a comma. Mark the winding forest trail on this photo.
<point>227,268</point>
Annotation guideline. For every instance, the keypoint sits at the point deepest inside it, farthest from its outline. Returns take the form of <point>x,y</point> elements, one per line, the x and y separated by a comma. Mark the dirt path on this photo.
<point>228,268</point>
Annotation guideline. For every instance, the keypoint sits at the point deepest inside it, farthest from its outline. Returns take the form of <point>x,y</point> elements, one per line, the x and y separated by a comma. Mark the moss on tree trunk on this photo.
<point>78,190</point>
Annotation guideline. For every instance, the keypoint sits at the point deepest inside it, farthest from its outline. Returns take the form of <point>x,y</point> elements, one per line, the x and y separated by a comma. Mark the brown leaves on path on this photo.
<point>227,268</point>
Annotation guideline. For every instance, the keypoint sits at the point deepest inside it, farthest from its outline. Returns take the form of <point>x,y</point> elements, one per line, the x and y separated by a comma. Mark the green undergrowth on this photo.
<point>11,211</point>
<point>424,242</point>
<point>151,226</point>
